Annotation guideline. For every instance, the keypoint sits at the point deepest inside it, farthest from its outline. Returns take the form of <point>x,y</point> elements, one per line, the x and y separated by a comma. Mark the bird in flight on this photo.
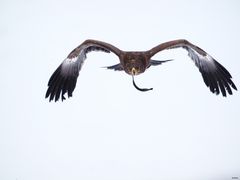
<point>64,79</point>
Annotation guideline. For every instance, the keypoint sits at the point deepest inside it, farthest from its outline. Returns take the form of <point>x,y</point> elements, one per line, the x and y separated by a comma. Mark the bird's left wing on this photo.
<point>64,79</point>
<point>215,76</point>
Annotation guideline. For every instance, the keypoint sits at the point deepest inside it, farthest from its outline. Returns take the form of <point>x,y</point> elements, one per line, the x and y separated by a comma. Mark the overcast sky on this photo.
<point>108,130</point>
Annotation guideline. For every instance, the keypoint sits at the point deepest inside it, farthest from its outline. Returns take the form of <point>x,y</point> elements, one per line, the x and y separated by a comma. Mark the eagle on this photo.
<point>64,79</point>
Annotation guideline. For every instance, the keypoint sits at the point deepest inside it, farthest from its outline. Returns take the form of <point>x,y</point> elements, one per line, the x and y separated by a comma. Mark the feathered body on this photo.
<point>64,79</point>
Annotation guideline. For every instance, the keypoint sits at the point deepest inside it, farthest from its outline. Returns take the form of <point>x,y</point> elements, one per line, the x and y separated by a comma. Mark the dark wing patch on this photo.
<point>215,76</point>
<point>96,48</point>
<point>63,80</point>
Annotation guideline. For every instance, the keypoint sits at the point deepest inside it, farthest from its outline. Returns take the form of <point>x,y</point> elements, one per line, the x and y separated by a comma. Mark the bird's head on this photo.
<point>134,64</point>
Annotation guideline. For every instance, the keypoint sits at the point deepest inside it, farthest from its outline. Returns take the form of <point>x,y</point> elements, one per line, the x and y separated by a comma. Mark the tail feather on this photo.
<point>116,67</point>
<point>156,62</point>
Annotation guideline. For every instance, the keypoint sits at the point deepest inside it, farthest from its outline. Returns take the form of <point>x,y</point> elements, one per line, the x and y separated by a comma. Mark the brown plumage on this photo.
<point>64,79</point>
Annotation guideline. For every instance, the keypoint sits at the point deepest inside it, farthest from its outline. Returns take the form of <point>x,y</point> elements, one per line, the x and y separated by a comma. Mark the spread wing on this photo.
<point>215,76</point>
<point>64,79</point>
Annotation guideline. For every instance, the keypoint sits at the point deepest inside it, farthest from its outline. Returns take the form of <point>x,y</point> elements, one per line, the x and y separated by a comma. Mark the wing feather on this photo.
<point>215,76</point>
<point>64,79</point>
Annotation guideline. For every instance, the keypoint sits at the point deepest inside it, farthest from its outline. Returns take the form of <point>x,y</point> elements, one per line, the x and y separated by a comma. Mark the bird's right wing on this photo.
<point>64,79</point>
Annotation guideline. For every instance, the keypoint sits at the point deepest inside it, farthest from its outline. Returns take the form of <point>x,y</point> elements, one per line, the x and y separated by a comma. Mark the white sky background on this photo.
<point>108,130</point>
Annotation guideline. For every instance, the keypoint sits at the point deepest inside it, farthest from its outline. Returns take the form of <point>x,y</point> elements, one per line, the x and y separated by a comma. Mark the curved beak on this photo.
<point>133,71</point>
